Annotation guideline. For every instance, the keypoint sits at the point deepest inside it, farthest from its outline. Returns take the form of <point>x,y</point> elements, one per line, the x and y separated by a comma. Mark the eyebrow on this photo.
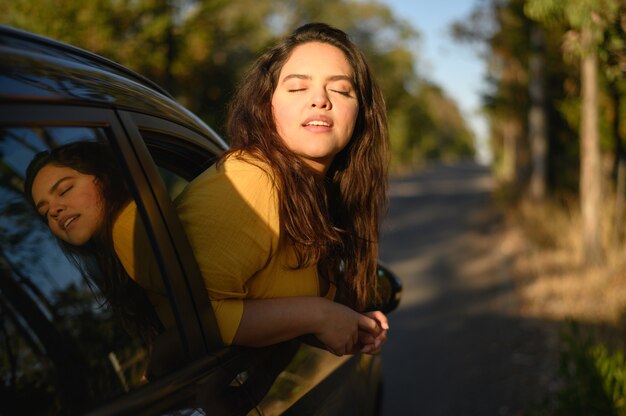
<point>52,189</point>
<point>309,77</point>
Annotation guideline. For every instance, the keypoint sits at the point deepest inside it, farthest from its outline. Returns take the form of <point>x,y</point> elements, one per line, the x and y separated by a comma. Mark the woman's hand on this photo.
<point>338,328</point>
<point>340,335</point>
<point>372,340</point>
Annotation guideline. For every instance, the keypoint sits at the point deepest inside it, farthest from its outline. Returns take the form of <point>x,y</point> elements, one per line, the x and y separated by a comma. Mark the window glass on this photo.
<point>174,183</point>
<point>63,348</point>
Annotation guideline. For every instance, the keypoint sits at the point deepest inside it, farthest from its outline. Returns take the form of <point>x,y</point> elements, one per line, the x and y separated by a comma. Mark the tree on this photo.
<point>537,117</point>
<point>588,20</point>
<point>503,30</point>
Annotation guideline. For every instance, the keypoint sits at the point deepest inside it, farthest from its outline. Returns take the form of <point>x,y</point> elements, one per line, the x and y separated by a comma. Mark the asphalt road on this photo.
<point>456,344</point>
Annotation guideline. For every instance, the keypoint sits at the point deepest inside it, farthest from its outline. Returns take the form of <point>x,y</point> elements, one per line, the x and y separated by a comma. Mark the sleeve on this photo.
<point>229,215</point>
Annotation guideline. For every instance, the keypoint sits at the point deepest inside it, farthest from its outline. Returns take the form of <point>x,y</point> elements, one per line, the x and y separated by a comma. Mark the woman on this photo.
<point>287,222</point>
<point>288,219</point>
<point>79,191</point>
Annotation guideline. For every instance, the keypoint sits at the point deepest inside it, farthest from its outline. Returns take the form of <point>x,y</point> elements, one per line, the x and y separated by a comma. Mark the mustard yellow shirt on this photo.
<point>134,251</point>
<point>230,214</point>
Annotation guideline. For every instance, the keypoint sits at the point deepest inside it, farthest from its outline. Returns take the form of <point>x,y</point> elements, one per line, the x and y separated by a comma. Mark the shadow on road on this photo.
<point>457,345</point>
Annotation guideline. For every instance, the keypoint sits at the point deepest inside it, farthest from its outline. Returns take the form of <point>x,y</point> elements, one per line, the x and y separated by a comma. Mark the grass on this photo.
<point>548,264</point>
<point>582,309</point>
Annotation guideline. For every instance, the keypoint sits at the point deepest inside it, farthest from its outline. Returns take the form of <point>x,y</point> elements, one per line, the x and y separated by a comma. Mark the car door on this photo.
<point>62,351</point>
<point>292,377</point>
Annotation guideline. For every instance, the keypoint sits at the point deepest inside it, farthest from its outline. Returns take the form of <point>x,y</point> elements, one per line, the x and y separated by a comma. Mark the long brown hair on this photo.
<point>330,220</point>
<point>126,298</point>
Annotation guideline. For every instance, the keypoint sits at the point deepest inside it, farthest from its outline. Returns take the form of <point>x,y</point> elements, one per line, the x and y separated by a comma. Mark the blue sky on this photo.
<point>455,67</point>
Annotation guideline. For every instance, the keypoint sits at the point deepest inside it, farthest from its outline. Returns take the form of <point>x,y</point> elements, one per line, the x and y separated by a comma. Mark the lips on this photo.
<point>318,121</point>
<point>65,222</point>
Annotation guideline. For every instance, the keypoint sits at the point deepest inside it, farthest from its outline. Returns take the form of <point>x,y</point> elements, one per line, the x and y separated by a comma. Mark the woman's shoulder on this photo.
<point>238,172</point>
<point>242,169</point>
<point>242,161</point>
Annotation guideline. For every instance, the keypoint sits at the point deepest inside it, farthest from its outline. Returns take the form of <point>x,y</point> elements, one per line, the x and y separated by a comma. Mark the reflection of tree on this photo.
<point>12,134</point>
<point>38,353</point>
<point>33,326</point>
<point>47,81</point>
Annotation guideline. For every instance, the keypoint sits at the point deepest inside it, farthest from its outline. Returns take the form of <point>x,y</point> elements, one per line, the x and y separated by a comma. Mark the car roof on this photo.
<point>34,68</point>
<point>10,36</point>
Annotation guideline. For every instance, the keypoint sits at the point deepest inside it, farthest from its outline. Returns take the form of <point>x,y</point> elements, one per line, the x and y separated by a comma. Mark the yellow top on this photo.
<point>131,243</point>
<point>230,214</point>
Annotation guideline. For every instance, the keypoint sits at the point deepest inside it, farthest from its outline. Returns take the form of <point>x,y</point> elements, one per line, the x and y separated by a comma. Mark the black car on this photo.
<point>62,351</point>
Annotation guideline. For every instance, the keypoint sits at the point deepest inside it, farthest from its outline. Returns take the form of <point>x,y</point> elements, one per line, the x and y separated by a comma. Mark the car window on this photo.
<point>63,348</point>
<point>174,183</point>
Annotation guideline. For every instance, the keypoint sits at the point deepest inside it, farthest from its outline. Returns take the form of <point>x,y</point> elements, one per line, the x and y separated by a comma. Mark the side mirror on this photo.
<point>389,289</point>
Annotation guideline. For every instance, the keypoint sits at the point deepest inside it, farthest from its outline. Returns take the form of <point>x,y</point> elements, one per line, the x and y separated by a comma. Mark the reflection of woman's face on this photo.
<point>70,202</point>
<point>315,105</point>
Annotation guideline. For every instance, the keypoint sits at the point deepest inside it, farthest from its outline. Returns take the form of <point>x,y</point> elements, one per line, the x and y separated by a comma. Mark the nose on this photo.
<point>55,209</point>
<point>320,99</point>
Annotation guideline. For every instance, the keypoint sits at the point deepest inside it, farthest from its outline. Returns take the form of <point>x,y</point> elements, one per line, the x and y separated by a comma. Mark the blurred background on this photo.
<point>198,50</point>
<point>530,91</point>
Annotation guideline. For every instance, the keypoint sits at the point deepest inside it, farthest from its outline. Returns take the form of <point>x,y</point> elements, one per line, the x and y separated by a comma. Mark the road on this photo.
<point>456,344</point>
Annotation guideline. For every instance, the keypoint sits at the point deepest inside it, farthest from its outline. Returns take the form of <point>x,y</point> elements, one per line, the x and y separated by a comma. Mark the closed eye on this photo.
<point>296,90</point>
<point>66,190</point>
<point>346,93</point>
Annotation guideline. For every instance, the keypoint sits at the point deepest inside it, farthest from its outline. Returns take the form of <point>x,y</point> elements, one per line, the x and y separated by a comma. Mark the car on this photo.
<point>62,351</point>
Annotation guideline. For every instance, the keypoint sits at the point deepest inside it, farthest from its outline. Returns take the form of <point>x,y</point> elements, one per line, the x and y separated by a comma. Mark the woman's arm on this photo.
<point>269,321</point>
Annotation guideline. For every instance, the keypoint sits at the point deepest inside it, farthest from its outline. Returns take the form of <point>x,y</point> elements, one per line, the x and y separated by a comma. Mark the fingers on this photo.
<point>341,337</point>
<point>372,341</point>
<point>380,318</point>
<point>376,345</point>
<point>350,347</point>
<point>366,338</point>
<point>369,324</point>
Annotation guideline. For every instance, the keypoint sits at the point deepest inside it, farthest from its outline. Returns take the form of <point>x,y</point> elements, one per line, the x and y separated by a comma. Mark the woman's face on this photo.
<point>70,201</point>
<point>315,104</point>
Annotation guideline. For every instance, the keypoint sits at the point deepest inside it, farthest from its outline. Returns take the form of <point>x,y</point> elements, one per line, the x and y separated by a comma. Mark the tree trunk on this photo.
<point>537,119</point>
<point>508,131</point>
<point>590,181</point>
<point>619,166</point>
<point>620,189</point>
<point>620,154</point>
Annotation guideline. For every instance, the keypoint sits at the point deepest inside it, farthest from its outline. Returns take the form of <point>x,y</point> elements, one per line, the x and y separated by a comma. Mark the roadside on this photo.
<point>489,294</point>
<point>545,244</point>
<point>544,248</point>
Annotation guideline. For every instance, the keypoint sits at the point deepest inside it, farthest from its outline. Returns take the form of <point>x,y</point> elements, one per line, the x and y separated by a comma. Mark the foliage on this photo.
<point>593,379</point>
<point>501,29</point>
<point>199,49</point>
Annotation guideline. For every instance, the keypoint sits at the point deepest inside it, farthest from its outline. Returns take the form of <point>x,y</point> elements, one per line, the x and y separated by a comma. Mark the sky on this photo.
<point>455,67</point>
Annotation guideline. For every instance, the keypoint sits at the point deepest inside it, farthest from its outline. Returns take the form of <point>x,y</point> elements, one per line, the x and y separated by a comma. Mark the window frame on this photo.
<point>190,143</point>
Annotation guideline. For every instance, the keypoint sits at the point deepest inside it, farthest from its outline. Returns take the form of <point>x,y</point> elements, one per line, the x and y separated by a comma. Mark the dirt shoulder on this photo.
<point>543,249</point>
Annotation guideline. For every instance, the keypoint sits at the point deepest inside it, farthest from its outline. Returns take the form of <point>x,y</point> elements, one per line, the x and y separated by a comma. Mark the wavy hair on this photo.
<point>126,298</point>
<point>331,220</point>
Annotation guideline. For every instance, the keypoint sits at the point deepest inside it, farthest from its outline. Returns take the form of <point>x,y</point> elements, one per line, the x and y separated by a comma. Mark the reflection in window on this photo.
<point>61,349</point>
